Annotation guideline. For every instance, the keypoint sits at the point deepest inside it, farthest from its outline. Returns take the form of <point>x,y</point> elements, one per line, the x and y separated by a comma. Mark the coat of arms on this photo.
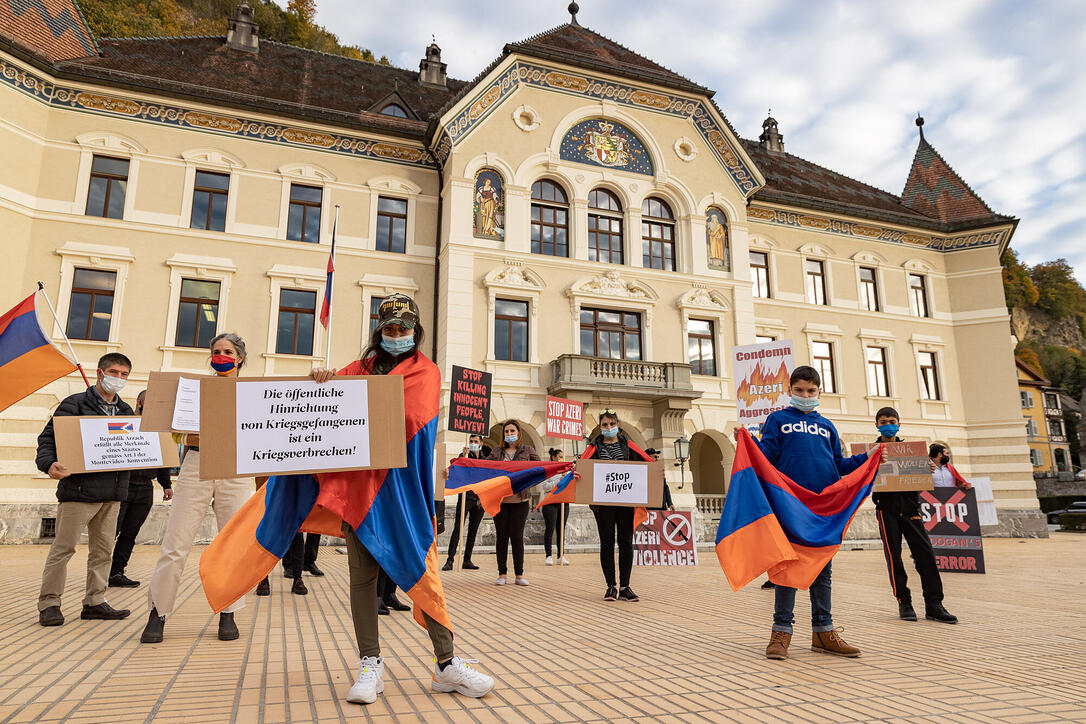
<point>603,146</point>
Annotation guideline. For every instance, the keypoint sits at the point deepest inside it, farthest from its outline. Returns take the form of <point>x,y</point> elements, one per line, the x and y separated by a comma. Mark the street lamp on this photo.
<point>577,447</point>
<point>682,454</point>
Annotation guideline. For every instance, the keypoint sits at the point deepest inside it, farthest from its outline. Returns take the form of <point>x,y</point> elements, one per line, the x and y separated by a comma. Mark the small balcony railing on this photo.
<point>710,505</point>
<point>582,373</point>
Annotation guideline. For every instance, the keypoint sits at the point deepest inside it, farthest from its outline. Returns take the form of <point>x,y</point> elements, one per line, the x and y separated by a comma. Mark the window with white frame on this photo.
<point>610,333</point>
<point>90,309</point>
<point>304,213</point>
<point>822,360</point>
<point>108,182</point>
<point>700,346</point>
<point>869,289</point>
<point>1055,427</point>
<point>1035,458</point>
<point>1031,428</point>
<point>918,295</point>
<point>1052,401</point>
<point>209,196</point>
<point>511,330</point>
<point>763,338</point>
<point>929,376</point>
<point>1027,399</point>
<point>197,313</point>
<point>878,378</point>
<point>759,274</point>
<point>391,225</point>
<point>815,274</point>
<point>297,316</point>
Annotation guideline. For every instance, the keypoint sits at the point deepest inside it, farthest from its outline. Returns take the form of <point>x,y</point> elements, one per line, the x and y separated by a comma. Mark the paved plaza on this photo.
<point>690,650</point>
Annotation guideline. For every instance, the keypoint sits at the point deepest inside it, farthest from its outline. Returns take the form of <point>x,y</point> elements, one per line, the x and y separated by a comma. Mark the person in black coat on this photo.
<point>473,512</point>
<point>86,501</point>
<point>134,511</point>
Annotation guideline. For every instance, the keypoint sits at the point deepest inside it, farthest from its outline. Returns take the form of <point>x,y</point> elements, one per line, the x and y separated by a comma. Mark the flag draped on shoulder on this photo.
<point>493,480</point>
<point>566,489</point>
<point>770,523</point>
<point>391,511</point>
<point>28,360</point>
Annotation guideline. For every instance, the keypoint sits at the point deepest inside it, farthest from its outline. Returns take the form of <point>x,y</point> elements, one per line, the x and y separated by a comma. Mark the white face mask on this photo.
<point>113,385</point>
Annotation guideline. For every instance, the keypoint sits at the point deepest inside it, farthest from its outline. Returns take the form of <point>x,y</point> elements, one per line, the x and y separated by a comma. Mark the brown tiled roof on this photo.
<point>281,78</point>
<point>934,189</point>
<point>577,45</point>
<point>53,29</point>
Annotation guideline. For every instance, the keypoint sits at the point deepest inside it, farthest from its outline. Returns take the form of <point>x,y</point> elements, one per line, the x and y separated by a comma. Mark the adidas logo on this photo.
<point>807,427</point>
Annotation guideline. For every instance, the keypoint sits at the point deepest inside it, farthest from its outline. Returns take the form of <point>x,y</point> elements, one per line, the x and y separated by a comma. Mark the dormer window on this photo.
<point>394,109</point>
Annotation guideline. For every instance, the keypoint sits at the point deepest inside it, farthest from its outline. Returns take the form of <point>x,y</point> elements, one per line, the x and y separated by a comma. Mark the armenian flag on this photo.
<point>28,360</point>
<point>771,523</point>
<point>564,492</point>
<point>391,511</point>
<point>493,480</point>
<point>116,428</point>
<point>326,305</point>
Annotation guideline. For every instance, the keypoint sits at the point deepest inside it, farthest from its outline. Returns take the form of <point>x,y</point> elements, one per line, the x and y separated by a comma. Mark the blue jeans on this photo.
<point>785,602</point>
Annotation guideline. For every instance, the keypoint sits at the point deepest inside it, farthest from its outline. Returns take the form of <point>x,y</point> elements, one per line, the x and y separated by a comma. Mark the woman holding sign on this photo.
<point>191,498</point>
<point>615,522</point>
<point>510,520</point>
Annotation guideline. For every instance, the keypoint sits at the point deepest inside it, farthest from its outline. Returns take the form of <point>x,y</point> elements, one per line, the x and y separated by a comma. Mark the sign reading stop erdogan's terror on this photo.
<point>952,520</point>
<point>469,401</point>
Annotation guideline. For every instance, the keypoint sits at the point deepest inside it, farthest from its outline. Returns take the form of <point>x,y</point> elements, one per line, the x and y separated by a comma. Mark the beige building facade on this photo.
<point>577,220</point>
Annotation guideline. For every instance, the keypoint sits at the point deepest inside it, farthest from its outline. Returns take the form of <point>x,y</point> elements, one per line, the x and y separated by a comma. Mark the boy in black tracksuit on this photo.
<point>899,516</point>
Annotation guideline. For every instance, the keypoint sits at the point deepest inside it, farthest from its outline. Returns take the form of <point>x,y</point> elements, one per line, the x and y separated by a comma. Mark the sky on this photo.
<point>1000,83</point>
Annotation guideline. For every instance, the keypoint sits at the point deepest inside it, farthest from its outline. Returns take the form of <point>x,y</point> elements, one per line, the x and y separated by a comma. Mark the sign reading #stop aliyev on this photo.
<point>952,520</point>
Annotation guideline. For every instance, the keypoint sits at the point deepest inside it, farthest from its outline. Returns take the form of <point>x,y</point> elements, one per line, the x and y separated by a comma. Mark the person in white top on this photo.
<point>943,473</point>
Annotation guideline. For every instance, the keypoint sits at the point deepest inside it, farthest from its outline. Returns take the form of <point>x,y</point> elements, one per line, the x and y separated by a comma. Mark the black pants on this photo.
<point>130,519</point>
<point>615,524</point>
<point>509,525</point>
<point>892,526</point>
<point>550,518</point>
<point>312,545</point>
<point>386,587</point>
<point>474,515</point>
<point>294,560</point>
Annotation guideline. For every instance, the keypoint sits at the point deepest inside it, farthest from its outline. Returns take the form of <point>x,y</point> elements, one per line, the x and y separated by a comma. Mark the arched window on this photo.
<point>394,109</point>
<point>604,227</point>
<point>657,235</point>
<point>550,219</point>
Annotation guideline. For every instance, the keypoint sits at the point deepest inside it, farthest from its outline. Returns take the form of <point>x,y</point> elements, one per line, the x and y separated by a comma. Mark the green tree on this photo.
<point>1025,352</point>
<point>1059,293</point>
<point>1018,287</point>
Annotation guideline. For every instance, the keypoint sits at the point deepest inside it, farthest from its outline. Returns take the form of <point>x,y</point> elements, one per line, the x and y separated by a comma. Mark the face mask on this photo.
<point>223,364</point>
<point>398,345</point>
<point>610,433</point>
<point>804,404</point>
<point>888,430</point>
<point>512,438</point>
<point>944,460</point>
<point>113,385</point>
<point>474,447</point>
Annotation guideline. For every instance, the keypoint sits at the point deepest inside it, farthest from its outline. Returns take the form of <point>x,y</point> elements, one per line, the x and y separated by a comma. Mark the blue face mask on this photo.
<point>398,345</point>
<point>888,430</point>
<point>804,404</point>
<point>610,433</point>
<point>512,438</point>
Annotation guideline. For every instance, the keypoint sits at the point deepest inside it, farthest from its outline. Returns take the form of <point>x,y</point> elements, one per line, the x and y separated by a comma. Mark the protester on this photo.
<point>473,512</point>
<point>294,564</point>
<point>85,501</point>
<point>134,511</point>
<point>614,522</point>
<point>386,595</point>
<point>552,525</point>
<point>943,474</point>
<point>510,520</point>
<point>395,341</point>
<point>898,514</point>
<point>190,502</point>
<point>312,548</point>
<point>805,446</point>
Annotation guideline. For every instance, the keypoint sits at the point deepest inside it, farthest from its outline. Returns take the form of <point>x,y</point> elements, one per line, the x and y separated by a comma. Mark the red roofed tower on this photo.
<point>935,190</point>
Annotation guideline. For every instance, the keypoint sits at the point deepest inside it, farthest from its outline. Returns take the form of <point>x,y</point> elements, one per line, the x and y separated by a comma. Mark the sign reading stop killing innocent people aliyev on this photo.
<point>761,380</point>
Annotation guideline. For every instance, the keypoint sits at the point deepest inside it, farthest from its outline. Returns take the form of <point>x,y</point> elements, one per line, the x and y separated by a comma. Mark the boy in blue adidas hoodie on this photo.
<point>805,446</point>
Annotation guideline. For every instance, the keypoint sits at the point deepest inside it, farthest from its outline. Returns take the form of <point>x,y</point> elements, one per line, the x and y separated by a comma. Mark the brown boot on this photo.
<point>830,642</point>
<point>778,645</point>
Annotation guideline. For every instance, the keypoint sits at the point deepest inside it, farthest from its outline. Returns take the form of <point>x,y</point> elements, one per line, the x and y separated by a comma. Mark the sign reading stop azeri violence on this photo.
<point>952,520</point>
<point>761,380</point>
<point>666,538</point>
<point>565,418</point>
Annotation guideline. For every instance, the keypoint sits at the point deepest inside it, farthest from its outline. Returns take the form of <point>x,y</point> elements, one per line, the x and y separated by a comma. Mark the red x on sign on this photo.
<point>941,507</point>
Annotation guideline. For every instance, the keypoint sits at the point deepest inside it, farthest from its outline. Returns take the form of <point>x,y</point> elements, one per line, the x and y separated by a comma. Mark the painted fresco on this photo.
<point>598,142</point>
<point>489,205</point>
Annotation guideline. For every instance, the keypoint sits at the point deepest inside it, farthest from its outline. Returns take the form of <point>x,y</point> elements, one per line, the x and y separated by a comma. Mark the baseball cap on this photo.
<point>398,309</point>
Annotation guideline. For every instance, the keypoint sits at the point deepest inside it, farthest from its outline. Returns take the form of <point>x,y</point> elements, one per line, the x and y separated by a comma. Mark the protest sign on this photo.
<point>172,402</point>
<point>952,520</point>
<point>666,539</point>
<point>565,418</point>
<point>469,401</point>
<point>985,500</point>
<point>906,466</point>
<point>274,425</point>
<point>761,380</point>
<point>90,444</point>
<point>625,483</point>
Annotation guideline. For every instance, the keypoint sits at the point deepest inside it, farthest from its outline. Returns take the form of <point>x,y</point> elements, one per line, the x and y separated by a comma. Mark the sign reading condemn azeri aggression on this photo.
<point>469,401</point>
<point>761,380</point>
<point>666,539</point>
<point>565,418</point>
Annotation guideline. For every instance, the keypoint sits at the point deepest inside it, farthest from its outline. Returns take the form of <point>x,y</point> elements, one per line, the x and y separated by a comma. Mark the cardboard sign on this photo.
<point>761,380</point>
<point>93,443</point>
<point>666,539</point>
<point>276,425</point>
<point>625,483</point>
<point>172,402</point>
<point>906,466</point>
<point>469,401</point>
<point>565,418</point>
<point>952,520</point>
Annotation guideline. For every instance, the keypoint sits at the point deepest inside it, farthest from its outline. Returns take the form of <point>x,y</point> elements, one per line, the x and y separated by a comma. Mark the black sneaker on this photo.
<point>263,588</point>
<point>120,580</point>
<point>228,630</point>
<point>152,633</point>
<point>51,616</point>
<point>627,594</point>
<point>312,570</point>
<point>448,565</point>
<point>611,594</point>
<point>103,612</point>
<point>936,612</point>
<point>468,565</point>
<point>905,611</point>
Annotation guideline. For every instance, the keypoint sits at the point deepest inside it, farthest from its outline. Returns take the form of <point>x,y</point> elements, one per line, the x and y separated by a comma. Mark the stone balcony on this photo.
<point>628,378</point>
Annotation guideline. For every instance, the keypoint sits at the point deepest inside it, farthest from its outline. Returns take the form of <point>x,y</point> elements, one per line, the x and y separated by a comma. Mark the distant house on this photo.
<point>1042,411</point>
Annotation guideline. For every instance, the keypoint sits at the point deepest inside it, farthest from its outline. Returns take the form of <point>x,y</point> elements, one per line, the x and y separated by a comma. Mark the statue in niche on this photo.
<point>716,235</point>
<point>489,205</point>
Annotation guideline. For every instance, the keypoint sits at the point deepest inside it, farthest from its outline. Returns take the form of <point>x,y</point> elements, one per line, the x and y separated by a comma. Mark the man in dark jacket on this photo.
<point>473,512</point>
<point>87,501</point>
<point>134,511</point>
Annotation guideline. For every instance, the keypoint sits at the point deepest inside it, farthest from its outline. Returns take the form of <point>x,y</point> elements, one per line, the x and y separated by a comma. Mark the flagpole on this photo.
<point>328,331</point>
<point>78,366</point>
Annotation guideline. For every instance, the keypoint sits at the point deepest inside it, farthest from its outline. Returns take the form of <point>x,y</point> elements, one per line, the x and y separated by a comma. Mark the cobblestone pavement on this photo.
<point>690,650</point>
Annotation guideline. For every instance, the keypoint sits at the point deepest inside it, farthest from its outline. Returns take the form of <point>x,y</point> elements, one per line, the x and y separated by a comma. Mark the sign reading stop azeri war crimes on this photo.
<point>565,418</point>
<point>761,380</point>
<point>469,401</point>
<point>952,520</point>
<point>666,538</point>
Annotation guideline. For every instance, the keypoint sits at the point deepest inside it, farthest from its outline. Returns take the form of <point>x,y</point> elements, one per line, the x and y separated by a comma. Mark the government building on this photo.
<point>577,220</point>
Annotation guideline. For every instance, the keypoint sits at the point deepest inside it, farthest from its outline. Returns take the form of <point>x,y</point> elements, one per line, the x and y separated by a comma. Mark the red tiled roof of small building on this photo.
<point>935,190</point>
<point>53,29</point>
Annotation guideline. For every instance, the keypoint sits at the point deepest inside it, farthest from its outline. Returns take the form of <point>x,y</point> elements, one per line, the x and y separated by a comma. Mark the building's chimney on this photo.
<point>243,33</point>
<point>771,139</point>
<point>431,69</point>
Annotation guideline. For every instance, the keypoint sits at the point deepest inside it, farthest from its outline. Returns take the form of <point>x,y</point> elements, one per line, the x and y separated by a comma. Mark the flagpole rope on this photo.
<point>78,366</point>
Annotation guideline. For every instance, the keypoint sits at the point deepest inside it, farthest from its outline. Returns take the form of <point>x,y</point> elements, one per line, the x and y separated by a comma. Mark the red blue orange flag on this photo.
<point>770,523</point>
<point>391,511</point>
<point>28,360</point>
<point>326,305</point>
<point>566,489</point>
<point>493,480</point>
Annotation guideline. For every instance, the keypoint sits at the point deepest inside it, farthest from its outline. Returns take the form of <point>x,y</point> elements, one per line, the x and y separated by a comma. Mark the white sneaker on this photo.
<point>521,581</point>
<point>461,678</point>
<point>549,561</point>
<point>565,561</point>
<point>370,683</point>
<point>500,581</point>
